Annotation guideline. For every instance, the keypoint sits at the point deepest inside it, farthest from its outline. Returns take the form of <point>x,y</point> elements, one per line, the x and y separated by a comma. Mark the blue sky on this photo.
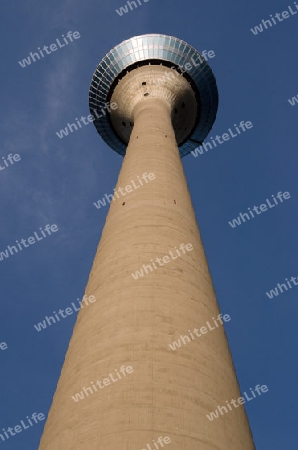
<point>57,180</point>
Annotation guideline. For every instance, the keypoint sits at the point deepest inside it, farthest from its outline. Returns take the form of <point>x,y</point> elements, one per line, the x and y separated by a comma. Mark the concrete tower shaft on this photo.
<point>133,321</point>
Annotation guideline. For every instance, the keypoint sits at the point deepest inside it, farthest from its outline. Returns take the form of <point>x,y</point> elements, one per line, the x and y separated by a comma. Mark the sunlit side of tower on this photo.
<point>166,100</point>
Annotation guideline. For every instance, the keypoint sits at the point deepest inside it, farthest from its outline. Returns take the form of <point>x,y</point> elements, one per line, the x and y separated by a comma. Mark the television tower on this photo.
<point>154,99</point>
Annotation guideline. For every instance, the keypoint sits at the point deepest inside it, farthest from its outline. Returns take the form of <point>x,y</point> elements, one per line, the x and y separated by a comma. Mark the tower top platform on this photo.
<point>183,78</point>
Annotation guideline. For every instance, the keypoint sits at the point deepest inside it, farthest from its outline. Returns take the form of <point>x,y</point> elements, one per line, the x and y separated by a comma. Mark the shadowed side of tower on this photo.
<point>133,321</point>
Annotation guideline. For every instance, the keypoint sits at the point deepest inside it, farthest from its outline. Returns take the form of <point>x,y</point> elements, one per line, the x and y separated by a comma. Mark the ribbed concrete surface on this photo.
<point>133,322</point>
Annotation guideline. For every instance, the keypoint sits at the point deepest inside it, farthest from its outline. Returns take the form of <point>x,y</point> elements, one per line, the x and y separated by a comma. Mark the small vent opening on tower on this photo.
<point>146,95</point>
<point>144,83</point>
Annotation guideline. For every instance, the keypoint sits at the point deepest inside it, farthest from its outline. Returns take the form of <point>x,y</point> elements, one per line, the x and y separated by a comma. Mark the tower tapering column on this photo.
<point>133,321</point>
<point>166,392</point>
